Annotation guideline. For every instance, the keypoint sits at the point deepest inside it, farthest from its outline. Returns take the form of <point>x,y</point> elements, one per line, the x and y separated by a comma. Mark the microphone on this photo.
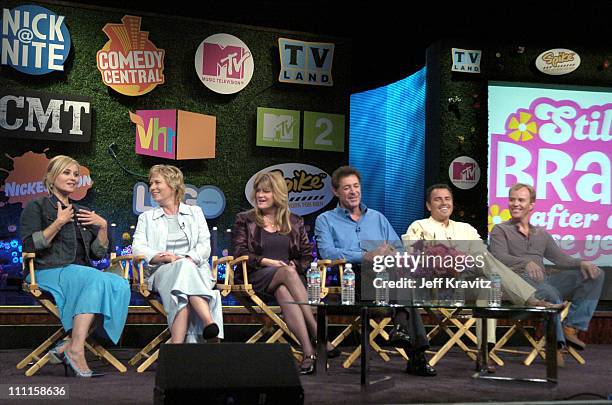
<point>358,229</point>
<point>182,226</point>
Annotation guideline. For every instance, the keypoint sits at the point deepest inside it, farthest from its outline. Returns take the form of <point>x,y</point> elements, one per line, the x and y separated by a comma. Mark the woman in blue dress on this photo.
<point>65,236</point>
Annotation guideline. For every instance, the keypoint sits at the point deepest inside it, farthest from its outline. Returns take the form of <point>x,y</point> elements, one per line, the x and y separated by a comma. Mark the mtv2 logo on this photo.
<point>305,62</point>
<point>281,128</point>
<point>278,128</point>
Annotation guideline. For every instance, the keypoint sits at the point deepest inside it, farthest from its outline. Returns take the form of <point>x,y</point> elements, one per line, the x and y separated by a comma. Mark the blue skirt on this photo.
<point>85,290</point>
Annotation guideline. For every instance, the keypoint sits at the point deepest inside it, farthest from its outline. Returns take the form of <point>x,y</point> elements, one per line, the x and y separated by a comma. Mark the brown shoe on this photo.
<point>571,337</point>
<point>560,358</point>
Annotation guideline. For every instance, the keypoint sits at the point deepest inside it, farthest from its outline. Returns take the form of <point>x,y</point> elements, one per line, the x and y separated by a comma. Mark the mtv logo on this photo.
<point>226,62</point>
<point>278,128</point>
<point>464,171</point>
<point>174,134</point>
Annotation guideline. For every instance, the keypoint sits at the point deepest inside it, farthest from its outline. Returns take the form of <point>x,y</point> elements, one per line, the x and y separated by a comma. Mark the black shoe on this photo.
<point>333,353</point>
<point>308,365</point>
<point>210,331</point>
<point>399,337</point>
<point>418,365</point>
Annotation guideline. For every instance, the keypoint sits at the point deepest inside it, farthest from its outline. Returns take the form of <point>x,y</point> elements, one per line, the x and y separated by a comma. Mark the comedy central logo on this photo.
<point>34,40</point>
<point>130,63</point>
<point>224,63</point>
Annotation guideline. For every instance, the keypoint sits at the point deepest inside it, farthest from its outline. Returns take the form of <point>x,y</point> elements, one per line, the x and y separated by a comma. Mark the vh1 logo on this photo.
<point>174,134</point>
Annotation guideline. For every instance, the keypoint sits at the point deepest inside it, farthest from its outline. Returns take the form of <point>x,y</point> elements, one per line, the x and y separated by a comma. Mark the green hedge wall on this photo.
<point>464,131</point>
<point>237,157</point>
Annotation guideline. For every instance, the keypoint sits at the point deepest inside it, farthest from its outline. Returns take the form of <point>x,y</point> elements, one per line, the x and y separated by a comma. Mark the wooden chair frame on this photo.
<point>378,328</point>
<point>537,346</point>
<point>150,352</point>
<point>40,356</point>
<point>271,323</point>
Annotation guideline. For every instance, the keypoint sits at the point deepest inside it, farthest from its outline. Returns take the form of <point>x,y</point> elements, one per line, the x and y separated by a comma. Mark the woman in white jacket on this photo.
<point>175,242</point>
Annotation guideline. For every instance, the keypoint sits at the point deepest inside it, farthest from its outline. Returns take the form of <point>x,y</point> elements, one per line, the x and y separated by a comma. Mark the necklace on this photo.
<point>269,223</point>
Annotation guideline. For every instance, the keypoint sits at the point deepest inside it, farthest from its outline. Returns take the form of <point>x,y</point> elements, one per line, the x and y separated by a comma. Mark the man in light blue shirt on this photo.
<point>356,233</point>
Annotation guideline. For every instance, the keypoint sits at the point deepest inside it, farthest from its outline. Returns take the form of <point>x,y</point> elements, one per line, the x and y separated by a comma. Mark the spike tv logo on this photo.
<point>130,63</point>
<point>224,63</point>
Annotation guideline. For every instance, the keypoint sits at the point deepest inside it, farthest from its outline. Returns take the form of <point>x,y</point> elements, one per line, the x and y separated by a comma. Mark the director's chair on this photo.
<point>40,356</point>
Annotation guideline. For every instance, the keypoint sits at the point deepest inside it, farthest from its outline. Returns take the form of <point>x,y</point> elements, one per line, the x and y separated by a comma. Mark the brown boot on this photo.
<point>571,337</point>
<point>560,358</point>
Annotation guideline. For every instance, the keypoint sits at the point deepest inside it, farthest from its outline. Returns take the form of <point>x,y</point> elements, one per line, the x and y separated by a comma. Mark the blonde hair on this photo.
<point>518,186</point>
<point>173,176</point>
<point>275,182</point>
<point>55,167</point>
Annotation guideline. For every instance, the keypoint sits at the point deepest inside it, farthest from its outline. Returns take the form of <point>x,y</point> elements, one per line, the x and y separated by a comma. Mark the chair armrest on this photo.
<point>216,262</point>
<point>122,261</point>
<point>242,260</point>
<point>28,260</point>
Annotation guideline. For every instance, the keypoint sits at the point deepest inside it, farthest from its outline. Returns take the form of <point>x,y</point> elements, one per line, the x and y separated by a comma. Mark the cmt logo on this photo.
<point>464,172</point>
<point>174,134</point>
<point>224,63</point>
<point>278,128</point>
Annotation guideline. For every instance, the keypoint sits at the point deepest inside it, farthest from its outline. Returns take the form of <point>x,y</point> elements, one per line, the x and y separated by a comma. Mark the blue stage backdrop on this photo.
<point>387,145</point>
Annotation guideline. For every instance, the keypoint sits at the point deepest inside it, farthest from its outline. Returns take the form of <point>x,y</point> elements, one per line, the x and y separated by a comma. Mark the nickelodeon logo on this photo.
<point>174,134</point>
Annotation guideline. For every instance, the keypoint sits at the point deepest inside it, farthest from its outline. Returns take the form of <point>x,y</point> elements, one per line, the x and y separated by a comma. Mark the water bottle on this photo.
<point>495,292</point>
<point>313,281</point>
<point>381,289</point>
<point>459,297</point>
<point>348,285</point>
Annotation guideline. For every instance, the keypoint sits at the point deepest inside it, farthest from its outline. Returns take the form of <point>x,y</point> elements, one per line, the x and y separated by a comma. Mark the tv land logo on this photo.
<point>34,40</point>
<point>129,62</point>
<point>466,60</point>
<point>224,63</point>
<point>464,172</point>
<point>174,134</point>
<point>306,62</point>
<point>24,183</point>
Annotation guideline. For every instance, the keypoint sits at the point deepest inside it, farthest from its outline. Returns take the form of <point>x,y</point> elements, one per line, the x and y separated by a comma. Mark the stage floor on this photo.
<point>453,383</point>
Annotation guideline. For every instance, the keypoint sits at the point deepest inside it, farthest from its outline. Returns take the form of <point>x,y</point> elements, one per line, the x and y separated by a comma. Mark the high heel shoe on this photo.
<point>310,368</point>
<point>76,372</point>
<point>55,357</point>
<point>333,353</point>
<point>210,331</point>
